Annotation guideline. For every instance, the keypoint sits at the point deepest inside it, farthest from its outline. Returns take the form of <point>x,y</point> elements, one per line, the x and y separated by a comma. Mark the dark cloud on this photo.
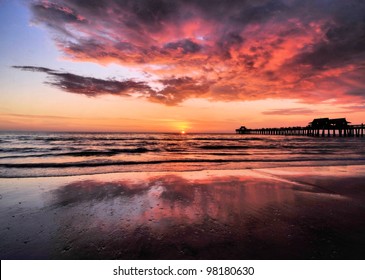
<point>357,92</point>
<point>52,12</point>
<point>260,11</point>
<point>92,86</point>
<point>175,90</point>
<point>227,41</point>
<point>152,13</point>
<point>34,69</point>
<point>342,45</point>
<point>344,36</point>
<point>87,85</point>
<point>186,45</point>
<point>55,16</point>
<point>238,11</point>
<point>182,81</point>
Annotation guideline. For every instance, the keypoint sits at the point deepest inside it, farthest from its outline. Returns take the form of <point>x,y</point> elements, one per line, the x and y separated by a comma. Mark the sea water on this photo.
<point>30,154</point>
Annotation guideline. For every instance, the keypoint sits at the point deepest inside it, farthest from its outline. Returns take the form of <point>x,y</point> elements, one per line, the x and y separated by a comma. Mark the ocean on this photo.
<point>171,196</point>
<point>30,154</point>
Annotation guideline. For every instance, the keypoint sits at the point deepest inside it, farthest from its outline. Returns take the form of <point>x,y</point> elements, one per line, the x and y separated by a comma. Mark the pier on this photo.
<point>323,127</point>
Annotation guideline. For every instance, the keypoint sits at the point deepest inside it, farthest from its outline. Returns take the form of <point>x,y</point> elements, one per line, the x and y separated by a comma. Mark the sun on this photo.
<point>181,127</point>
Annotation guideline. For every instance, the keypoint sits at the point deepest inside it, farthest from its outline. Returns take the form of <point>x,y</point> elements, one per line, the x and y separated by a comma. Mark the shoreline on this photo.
<point>266,213</point>
<point>198,167</point>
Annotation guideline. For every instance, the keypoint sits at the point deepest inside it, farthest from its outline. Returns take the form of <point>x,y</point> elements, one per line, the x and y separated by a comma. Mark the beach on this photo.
<point>299,212</point>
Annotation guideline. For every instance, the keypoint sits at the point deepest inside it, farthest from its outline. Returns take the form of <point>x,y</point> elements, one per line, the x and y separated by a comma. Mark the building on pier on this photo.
<point>339,123</point>
<point>320,123</point>
<point>326,123</point>
<point>242,130</point>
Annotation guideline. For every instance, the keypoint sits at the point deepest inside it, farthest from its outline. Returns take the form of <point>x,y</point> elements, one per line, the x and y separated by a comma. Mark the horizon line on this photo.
<point>75,131</point>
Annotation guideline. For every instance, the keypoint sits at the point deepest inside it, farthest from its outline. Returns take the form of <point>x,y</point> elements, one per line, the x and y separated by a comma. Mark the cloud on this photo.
<point>232,50</point>
<point>289,111</point>
<point>174,90</point>
<point>186,46</point>
<point>87,85</point>
<point>343,38</point>
<point>26,116</point>
<point>353,108</point>
<point>178,89</point>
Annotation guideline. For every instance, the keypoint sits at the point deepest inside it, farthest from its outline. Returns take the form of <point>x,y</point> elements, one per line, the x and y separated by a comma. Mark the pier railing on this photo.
<point>346,131</point>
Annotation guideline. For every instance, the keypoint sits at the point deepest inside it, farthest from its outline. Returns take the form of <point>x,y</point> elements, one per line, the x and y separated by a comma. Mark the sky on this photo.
<point>168,66</point>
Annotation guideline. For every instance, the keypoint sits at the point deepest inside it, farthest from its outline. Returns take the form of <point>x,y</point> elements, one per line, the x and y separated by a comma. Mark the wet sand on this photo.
<point>278,213</point>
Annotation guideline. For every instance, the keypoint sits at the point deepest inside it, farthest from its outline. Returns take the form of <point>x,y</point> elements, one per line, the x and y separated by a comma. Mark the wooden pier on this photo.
<point>323,127</point>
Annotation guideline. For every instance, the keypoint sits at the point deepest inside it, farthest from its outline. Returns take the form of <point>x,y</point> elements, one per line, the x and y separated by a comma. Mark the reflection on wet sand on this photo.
<point>183,216</point>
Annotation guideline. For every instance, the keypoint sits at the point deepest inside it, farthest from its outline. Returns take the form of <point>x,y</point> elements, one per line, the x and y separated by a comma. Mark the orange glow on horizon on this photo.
<point>194,116</point>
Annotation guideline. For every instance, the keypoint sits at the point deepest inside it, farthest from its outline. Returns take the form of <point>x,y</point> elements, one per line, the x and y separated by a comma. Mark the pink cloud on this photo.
<point>222,50</point>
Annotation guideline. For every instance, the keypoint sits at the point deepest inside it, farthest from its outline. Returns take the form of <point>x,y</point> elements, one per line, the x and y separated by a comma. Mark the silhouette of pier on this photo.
<point>323,127</point>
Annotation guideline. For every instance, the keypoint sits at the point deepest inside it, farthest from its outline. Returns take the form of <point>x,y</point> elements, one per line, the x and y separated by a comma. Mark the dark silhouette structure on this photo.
<point>318,127</point>
<point>327,123</point>
<point>339,123</point>
<point>242,129</point>
<point>320,123</point>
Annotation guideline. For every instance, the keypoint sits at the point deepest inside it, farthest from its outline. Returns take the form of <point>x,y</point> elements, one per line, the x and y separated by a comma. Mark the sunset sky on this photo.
<point>167,66</point>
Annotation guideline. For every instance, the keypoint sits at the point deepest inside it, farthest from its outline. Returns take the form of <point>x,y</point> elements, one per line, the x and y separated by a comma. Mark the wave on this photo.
<point>19,150</point>
<point>53,139</point>
<point>237,147</point>
<point>223,147</point>
<point>79,138</point>
<point>67,153</point>
<point>111,152</point>
<point>116,163</point>
<point>86,153</point>
<point>228,139</point>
